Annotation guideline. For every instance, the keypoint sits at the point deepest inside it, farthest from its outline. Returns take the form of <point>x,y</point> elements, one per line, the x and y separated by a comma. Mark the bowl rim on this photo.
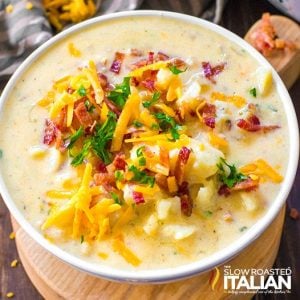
<point>213,260</point>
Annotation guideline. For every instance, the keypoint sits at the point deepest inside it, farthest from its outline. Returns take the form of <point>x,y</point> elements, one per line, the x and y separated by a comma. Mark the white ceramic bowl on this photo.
<point>218,258</point>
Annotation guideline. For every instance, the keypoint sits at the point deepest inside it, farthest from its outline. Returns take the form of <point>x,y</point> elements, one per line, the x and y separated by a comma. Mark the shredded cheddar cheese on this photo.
<point>235,99</point>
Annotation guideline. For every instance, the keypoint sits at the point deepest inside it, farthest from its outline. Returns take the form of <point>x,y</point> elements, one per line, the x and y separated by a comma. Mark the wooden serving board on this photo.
<point>56,280</point>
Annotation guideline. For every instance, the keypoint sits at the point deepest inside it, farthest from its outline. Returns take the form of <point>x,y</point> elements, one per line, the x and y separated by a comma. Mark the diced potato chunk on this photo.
<point>151,225</point>
<point>178,232</point>
<point>205,196</point>
<point>163,78</point>
<point>55,159</point>
<point>163,207</point>
<point>264,80</point>
<point>250,202</point>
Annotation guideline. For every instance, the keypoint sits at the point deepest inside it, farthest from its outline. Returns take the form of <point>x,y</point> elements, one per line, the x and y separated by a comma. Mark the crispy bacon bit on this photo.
<point>59,143</point>
<point>209,115</point>
<point>148,84</point>
<point>138,197</point>
<point>150,57</point>
<point>252,124</point>
<point>70,90</point>
<point>265,40</point>
<point>162,56</point>
<point>161,181</point>
<point>83,115</point>
<point>224,190</point>
<point>294,214</point>
<point>178,62</point>
<point>185,199</point>
<point>182,160</point>
<point>246,185</point>
<point>210,72</point>
<point>103,80</point>
<point>111,106</point>
<point>49,132</point>
<point>107,179</point>
<point>117,63</point>
<point>119,161</point>
<point>101,167</point>
<point>61,121</point>
<point>136,52</point>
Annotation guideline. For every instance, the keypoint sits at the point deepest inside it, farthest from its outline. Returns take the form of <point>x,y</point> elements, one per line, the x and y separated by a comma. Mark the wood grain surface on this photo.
<point>238,17</point>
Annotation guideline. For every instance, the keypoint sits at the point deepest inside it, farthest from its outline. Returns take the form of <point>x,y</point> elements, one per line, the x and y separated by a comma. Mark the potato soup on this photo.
<point>144,143</point>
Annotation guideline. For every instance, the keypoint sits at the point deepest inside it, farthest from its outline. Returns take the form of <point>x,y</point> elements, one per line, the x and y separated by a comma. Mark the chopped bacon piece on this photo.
<point>210,72</point>
<point>117,63</point>
<point>209,115</point>
<point>59,143</point>
<point>265,39</point>
<point>103,80</point>
<point>61,121</point>
<point>294,214</point>
<point>182,160</point>
<point>49,132</point>
<point>161,56</point>
<point>136,52</point>
<point>119,161</point>
<point>112,106</point>
<point>150,57</point>
<point>252,124</point>
<point>101,167</point>
<point>224,190</point>
<point>149,84</point>
<point>246,185</point>
<point>161,181</point>
<point>83,115</point>
<point>186,205</point>
<point>104,178</point>
<point>138,197</point>
<point>70,90</point>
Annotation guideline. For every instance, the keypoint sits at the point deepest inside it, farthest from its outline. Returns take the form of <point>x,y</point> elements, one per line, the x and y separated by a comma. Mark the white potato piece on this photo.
<point>264,80</point>
<point>249,201</point>
<point>191,93</point>
<point>178,232</point>
<point>55,160</point>
<point>151,225</point>
<point>163,78</point>
<point>205,197</point>
<point>163,207</point>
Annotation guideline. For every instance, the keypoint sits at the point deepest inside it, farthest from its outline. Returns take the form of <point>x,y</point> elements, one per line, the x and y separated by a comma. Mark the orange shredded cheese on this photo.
<point>120,247</point>
<point>217,141</point>
<point>14,263</point>
<point>172,184</point>
<point>103,255</point>
<point>73,50</point>
<point>10,295</point>
<point>12,236</point>
<point>238,101</point>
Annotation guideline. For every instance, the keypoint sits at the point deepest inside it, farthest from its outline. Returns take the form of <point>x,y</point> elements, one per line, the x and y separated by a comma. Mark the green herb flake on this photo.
<point>228,174</point>
<point>154,99</point>
<point>166,122</point>
<point>120,93</point>
<point>1,153</point>
<point>119,175</point>
<point>79,158</point>
<point>75,136</point>
<point>81,239</point>
<point>89,107</point>
<point>81,91</point>
<point>141,176</point>
<point>142,161</point>
<point>104,134</point>
<point>253,92</point>
<point>175,70</point>
<point>139,151</point>
<point>242,229</point>
<point>116,198</point>
<point>207,213</point>
<point>137,124</point>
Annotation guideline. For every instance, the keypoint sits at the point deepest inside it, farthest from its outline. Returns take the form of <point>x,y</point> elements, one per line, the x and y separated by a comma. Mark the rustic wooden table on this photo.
<point>238,17</point>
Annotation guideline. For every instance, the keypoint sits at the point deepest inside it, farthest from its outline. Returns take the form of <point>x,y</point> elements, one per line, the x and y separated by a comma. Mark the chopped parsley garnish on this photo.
<point>79,158</point>
<point>89,107</point>
<point>175,70</point>
<point>81,239</point>
<point>1,153</point>
<point>142,161</point>
<point>154,99</point>
<point>139,151</point>
<point>228,174</point>
<point>253,92</point>
<point>75,136</point>
<point>155,126</point>
<point>121,92</point>
<point>116,198</point>
<point>81,91</point>
<point>98,142</point>
<point>137,124</point>
<point>166,122</point>
<point>207,213</point>
<point>141,176</point>
<point>243,228</point>
<point>103,135</point>
<point>119,175</point>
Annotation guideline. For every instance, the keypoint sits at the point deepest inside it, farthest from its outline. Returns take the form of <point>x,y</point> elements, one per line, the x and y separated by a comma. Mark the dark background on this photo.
<point>238,17</point>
